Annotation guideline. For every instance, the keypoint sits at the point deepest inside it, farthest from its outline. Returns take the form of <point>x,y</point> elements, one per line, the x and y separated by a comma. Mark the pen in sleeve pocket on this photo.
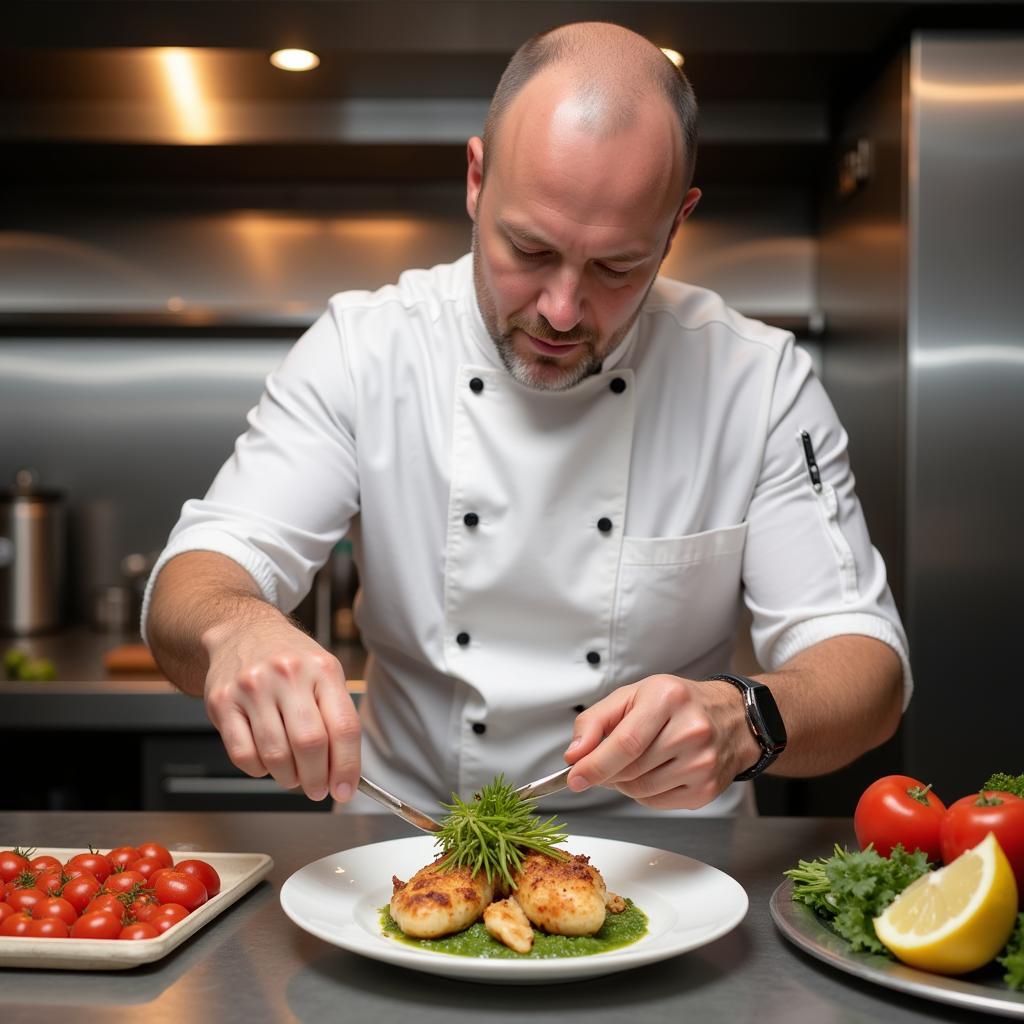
<point>812,465</point>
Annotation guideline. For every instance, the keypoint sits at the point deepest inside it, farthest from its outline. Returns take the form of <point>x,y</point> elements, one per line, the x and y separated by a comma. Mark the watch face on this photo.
<point>774,728</point>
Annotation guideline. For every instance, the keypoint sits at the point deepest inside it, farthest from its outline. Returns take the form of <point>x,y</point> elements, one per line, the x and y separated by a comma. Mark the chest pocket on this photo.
<point>678,600</point>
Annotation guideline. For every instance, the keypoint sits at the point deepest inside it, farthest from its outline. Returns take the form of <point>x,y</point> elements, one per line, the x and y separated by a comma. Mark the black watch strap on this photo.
<point>764,720</point>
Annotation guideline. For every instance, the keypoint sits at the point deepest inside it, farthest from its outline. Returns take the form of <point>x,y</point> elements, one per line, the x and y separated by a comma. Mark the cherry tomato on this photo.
<point>148,866</point>
<point>97,925</point>
<point>971,818</point>
<point>139,930</point>
<point>122,856</point>
<point>156,852</point>
<point>51,881</point>
<point>108,903</point>
<point>45,863</point>
<point>95,863</point>
<point>180,887</point>
<point>168,916</point>
<point>16,924</point>
<point>204,872</point>
<point>12,864</point>
<point>48,928</point>
<point>26,899</point>
<point>79,891</point>
<point>26,880</point>
<point>124,881</point>
<point>143,908</point>
<point>5,911</point>
<point>56,906</point>
<point>899,809</point>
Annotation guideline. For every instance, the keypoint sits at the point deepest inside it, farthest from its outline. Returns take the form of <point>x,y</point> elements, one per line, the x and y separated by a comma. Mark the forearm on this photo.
<point>839,699</point>
<point>197,594</point>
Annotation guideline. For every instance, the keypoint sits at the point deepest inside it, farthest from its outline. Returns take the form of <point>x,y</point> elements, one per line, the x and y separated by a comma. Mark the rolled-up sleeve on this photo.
<point>290,489</point>
<point>810,572</point>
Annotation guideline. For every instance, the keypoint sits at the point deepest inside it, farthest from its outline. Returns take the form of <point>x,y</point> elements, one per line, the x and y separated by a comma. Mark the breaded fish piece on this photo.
<point>435,902</point>
<point>505,920</point>
<point>562,897</point>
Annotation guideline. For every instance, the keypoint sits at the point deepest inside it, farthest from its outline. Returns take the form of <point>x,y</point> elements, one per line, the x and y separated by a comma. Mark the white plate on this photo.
<point>239,872</point>
<point>688,904</point>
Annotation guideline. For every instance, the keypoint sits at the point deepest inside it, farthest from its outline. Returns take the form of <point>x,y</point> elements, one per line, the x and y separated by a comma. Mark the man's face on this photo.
<point>568,237</point>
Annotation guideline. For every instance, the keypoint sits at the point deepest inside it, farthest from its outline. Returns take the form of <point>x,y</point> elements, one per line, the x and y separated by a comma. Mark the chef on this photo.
<point>562,475</point>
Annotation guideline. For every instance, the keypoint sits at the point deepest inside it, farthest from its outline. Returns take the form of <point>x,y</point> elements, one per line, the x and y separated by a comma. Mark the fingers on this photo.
<point>236,735</point>
<point>635,720</point>
<point>342,722</point>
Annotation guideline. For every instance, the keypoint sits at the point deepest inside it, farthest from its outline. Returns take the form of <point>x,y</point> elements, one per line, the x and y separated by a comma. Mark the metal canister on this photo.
<point>32,557</point>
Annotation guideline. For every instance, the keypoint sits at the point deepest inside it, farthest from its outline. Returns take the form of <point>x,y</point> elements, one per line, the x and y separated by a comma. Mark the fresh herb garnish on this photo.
<point>1013,956</point>
<point>492,833</point>
<point>1006,784</point>
<point>851,888</point>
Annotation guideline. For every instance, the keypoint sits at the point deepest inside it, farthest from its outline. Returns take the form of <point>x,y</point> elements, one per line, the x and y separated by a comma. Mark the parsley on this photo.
<point>1003,783</point>
<point>1013,956</point>
<point>850,888</point>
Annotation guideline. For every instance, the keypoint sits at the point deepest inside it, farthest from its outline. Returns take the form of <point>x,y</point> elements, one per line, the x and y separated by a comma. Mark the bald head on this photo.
<point>600,77</point>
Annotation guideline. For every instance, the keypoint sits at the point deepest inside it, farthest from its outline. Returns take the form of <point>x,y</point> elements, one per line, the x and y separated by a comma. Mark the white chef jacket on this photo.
<point>618,525</point>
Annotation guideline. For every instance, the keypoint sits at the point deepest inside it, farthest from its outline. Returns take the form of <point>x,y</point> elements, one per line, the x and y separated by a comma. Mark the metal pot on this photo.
<point>32,552</point>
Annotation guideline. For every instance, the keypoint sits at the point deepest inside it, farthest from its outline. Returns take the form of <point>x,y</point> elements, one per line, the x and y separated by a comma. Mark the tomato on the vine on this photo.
<point>168,916</point>
<point>5,911</point>
<point>13,863</point>
<point>48,928</point>
<point>26,899</point>
<point>79,891</point>
<point>147,866</point>
<point>107,902</point>
<point>204,872</point>
<point>95,863</point>
<point>51,881</point>
<point>143,908</point>
<point>124,881</point>
<point>57,906</point>
<point>899,809</point>
<point>122,856</point>
<point>971,818</point>
<point>99,924</point>
<point>156,852</point>
<point>16,924</point>
<point>180,887</point>
<point>138,930</point>
<point>45,863</point>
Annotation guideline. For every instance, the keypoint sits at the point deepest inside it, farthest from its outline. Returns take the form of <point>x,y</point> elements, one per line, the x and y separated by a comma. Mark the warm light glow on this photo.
<point>186,94</point>
<point>673,55</point>
<point>951,92</point>
<point>294,60</point>
<point>175,304</point>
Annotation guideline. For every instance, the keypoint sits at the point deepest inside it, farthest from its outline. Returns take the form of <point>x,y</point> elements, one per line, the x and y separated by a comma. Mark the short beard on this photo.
<point>528,371</point>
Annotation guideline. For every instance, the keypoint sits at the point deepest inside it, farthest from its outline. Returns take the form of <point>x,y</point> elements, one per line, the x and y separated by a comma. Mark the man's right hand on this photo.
<point>280,704</point>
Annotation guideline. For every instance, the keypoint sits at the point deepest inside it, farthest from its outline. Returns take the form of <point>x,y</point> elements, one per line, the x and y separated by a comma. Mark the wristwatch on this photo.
<point>764,720</point>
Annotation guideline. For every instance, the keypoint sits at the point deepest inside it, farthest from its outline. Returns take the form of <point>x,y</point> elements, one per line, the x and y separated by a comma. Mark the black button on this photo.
<point>593,657</point>
<point>479,728</point>
<point>618,385</point>
<point>462,639</point>
<point>476,385</point>
<point>604,524</point>
<point>471,519</point>
<point>580,708</point>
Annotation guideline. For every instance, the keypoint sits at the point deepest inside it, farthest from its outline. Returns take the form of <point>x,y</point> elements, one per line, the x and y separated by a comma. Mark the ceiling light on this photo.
<point>673,55</point>
<point>294,60</point>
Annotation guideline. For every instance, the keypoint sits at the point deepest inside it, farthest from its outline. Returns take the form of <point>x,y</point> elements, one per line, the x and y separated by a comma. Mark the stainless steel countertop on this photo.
<point>253,964</point>
<point>86,696</point>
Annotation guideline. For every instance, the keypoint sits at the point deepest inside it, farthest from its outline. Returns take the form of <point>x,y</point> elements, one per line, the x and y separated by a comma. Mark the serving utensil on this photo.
<point>546,786</point>
<point>411,814</point>
<point>531,791</point>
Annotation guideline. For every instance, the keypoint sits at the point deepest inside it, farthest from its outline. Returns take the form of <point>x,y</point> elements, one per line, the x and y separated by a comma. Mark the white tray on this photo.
<point>239,872</point>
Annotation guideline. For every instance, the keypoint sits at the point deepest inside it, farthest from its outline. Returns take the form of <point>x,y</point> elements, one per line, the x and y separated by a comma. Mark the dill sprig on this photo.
<point>493,833</point>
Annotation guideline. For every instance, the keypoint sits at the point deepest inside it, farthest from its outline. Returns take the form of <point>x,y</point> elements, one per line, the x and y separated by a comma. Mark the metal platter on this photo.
<point>981,991</point>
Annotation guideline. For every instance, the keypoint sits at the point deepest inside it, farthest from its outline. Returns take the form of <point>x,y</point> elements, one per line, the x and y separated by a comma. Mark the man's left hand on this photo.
<point>665,741</point>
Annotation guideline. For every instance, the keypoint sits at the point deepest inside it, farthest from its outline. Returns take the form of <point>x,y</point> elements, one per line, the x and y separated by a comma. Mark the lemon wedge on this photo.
<point>955,919</point>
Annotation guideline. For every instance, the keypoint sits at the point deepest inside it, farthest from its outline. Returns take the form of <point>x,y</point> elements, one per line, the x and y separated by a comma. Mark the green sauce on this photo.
<point>618,930</point>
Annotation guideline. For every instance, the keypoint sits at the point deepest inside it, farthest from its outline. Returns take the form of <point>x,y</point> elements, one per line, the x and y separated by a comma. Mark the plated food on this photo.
<point>501,875</point>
